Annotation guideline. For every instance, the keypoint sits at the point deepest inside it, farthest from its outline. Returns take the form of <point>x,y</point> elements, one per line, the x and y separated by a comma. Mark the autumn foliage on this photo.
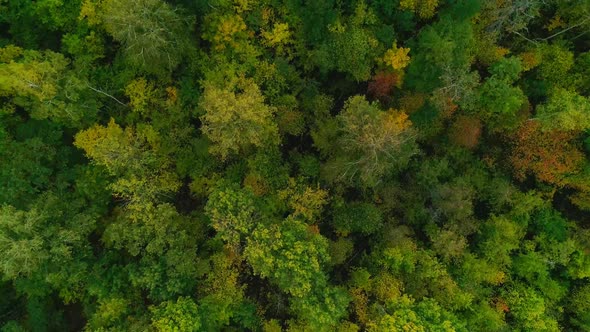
<point>382,84</point>
<point>466,131</point>
<point>548,155</point>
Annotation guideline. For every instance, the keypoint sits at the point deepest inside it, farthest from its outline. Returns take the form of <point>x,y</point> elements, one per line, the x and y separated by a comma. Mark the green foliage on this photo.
<point>290,254</point>
<point>426,315</point>
<point>132,156</point>
<point>565,110</point>
<point>28,164</point>
<point>352,48</point>
<point>361,217</point>
<point>181,315</point>
<point>528,309</point>
<point>47,243</point>
<point>335,165</point>
<point>499,100</point>
<point>42,83</point>
<point>153,34</point>
<point>231,211</point>
<point>163,243</point>
<point>581,307</point>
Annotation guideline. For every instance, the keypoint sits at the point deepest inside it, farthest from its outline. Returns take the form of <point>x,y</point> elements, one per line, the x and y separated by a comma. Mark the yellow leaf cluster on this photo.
<point>172,94</point>
<point>88,11</point>
<point>227,29</point>
<point>10,52</point>
<point>397,58</point>
<point>423,8</point>
<point>305,201</point>
<point>141,94</point>
<point>279,35</point>
<point>267,14</point>
<point>243,5</point>
<point>556,22</point>
<point>236,121</point>
<point>395,122</point>
<point>530,60</point>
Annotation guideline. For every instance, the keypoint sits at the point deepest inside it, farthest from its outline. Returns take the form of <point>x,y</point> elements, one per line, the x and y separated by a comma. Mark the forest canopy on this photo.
<point>290,165</point>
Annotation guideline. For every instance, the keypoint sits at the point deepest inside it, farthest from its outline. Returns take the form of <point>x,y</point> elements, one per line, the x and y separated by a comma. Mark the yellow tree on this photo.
<point>237,121</point>
<point>372,142</point>
<point>131,155</point>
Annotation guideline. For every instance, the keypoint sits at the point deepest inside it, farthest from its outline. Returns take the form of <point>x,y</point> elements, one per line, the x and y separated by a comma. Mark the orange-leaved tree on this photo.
<point>549,155</point>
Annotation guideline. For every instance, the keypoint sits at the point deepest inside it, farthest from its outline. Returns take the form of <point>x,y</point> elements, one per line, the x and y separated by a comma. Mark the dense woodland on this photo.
<point>294,165</point>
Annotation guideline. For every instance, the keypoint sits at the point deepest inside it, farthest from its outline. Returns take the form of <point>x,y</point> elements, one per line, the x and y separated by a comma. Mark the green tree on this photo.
<point>529,310</point>
<point>47,244</point>
<point>143,173</point>
<point>361,217</point>
<point>580,307</point>
<point>499,100</point>
<point>565,110</point>
<point>154,35</point>
<point>181,315</point>
<point>352,48</point>
<point>232,212</point>
<point>43,84</point>
<point>290,254</point>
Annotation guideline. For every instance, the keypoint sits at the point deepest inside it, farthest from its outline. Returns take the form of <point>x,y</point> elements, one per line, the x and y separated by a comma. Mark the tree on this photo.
<point>565,111</point>
<point>382,84</point>
<point>581,307</point>
<point>447,45</point>
<point>42,83</point>
<point>551,155</point>
<point>221,294</point>
<point>466,131</point>
<point>290,255</point>
<point>358,217</point>
<point>231,211</point>
<point>499,100</point>
<point>181,315</point>
<point>425,315</point>
<point>529,309</point>
<point>154,35</point>
<point>396,57</point>
<point>322,309</point>
<point>352,47</point>
<point>161,245</point>
<point>131,155</point>
<point>28,164</point>
<point>237,121</point>
<point>500,236</point>
<point>47,245</point>
<point>305,202</point>
<point>555,65</point>
<point>372,143</point>
<point>423,8</point>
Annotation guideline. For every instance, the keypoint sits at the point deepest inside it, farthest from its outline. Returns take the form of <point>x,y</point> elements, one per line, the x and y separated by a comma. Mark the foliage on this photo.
<point>550,155</point>
<point>153,34</point>
<point>334,165</point>
<point>236,121</point>
<point>289,254</point>
<point>181,315</point>
<point>373,143</point>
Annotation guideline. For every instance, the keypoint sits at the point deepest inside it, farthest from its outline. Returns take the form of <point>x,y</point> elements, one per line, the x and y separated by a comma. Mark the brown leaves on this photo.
<point>550,156</point>
<point>382,84</point>
<point>465,131</point>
